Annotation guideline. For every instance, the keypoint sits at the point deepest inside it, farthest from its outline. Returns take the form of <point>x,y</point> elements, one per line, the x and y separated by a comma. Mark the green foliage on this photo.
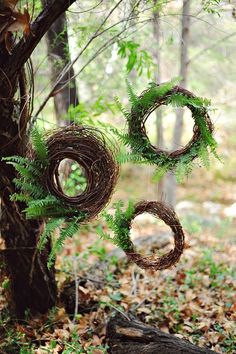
<point>73,346</point>
<point>68,231</point>
<point>137,58</point>
<point>119,224</point>
<point>52,225</point>
<point>141,148</point>
<point>132,95</point>
<point>211,6</point>
<point>39,144</point>
<point>89,112</point>
<point>158,6</point>
<point>15,340</point>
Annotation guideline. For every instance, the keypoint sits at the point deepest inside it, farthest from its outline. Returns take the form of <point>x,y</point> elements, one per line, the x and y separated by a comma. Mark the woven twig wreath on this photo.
<point>165,213</point>
<point>88,147</point>
<point>139,140</point>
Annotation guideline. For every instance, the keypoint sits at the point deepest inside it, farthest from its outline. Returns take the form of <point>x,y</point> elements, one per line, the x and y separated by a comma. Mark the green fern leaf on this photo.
<point>121,108</point>
<point>159,173</point>
<point>36,191</point>
<point>23,171</point>
<point>71,228</point>
<point>133,98</point>
<point>39,144</point>
<point>50,228</point>
<point>20,197</point>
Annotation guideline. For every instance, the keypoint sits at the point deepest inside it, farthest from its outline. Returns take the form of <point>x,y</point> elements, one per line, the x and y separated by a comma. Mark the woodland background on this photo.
<point>144,41</point>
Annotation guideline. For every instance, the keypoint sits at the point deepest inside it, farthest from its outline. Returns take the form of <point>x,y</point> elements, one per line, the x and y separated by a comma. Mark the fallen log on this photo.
<point>125,334</point>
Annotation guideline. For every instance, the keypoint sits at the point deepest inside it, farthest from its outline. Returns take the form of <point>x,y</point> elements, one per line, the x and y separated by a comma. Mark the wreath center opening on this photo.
<point>71,178</point>
<point>166,135</point>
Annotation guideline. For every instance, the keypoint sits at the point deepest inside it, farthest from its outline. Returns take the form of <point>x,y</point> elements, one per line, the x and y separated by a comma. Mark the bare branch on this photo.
<point>11,64</point>
<point>101,49</point>
<point>95,35</point>
<point>211,46</point>
<point>99,31</point>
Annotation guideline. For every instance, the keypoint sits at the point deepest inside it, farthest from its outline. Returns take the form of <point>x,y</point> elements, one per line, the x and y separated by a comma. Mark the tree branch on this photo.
<point>100,50</point>
<point>11,64</point>
<point>211,46</point>
<point>99,31</point>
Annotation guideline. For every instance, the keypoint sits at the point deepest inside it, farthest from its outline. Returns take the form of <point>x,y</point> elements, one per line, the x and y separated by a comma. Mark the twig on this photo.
<point>97,53</point>
<point>196,56</point>
<point>94,36</point>
<point>118,310</point>
<point>70,65</point>
<point>76,289</point>
<point>135,279</point>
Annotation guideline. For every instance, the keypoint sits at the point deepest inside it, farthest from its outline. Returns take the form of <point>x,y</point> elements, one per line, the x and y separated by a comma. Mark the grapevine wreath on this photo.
<point>88,147</point>
<point>137,139</point>
<point>121,224</point>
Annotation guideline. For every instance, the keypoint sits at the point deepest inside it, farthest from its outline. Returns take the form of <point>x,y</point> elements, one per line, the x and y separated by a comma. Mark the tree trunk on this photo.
<point>59,56</point>
<point>178,130</point>
<point>183,69</point>
<point>159,124</point>
<point>33,286</point>
<point>129,336</point>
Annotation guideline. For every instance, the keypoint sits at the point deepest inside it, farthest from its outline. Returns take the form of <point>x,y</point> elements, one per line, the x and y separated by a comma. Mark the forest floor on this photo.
<point>194,300</point>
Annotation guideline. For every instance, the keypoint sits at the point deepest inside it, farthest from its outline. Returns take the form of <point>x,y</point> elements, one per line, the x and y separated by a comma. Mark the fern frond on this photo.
<point>109,219</point>
<point>119,225</point>
<point>39,207</point>
<point>130,157</point>
<point>50,209</point>
<point>129,212</point>
<point>71,228</point>
<point>133,98</point>
<point>49,200</point>
<point>18,159</point>
<point>23,171</point>
<point>159,173</point>
<point>156,91</point>
<point>50,227</point>
<point>206,134</point>
<point>36,191</point>
<point>123,138</point>
<point>103,235</point>
<point>125,113</point>
<point>20,197</point>
<point>204,156</point>
<point>182,170</point>
<point>39,144</point>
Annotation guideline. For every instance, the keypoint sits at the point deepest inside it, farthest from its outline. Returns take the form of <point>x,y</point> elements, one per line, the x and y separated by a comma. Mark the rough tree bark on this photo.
<point>59,56</point>
<point>33,286</point>
<point>178,129</point>
<point>127,335</point>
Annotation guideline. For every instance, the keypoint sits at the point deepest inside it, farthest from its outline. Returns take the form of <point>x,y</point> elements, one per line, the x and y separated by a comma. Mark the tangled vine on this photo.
<point>121,224</point>
<point>88,147</point>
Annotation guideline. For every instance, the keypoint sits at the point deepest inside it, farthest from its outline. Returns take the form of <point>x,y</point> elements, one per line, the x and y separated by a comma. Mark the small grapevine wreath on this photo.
<point>142,106</point>
<point>88,147</point>
<point>121,224</point>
